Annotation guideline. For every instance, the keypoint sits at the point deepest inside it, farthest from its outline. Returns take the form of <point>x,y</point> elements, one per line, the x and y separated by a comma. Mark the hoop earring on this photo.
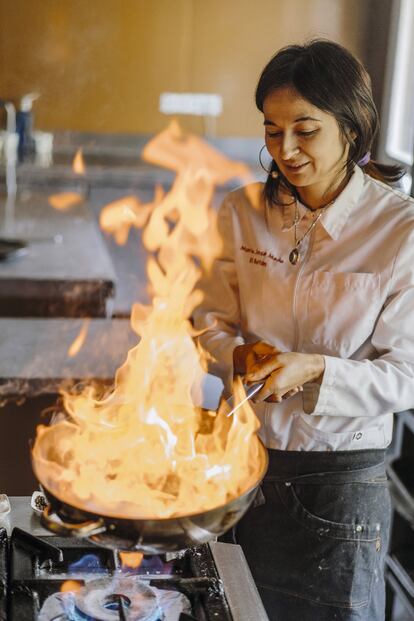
<point>273,173</point>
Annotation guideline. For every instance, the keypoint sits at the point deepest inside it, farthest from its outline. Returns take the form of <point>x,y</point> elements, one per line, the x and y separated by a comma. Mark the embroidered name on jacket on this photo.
<point>259,256</point>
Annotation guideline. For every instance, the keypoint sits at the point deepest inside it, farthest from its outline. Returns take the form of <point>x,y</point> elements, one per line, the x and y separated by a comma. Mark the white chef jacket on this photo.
<point>350,298</point>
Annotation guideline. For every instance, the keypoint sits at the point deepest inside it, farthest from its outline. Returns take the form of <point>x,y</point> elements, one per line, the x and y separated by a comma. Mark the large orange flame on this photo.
<point>146,450</point>
<point>176,150</point>
<point>118,217</point>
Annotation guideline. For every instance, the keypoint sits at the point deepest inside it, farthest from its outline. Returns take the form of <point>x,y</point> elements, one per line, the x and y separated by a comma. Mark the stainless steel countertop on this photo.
<point>23,516</point>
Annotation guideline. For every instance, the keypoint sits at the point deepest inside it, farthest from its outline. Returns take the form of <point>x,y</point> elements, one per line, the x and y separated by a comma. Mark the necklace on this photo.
<point>294,255</point>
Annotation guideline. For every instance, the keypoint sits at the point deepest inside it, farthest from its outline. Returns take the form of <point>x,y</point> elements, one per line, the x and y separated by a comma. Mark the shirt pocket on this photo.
<point>306,437</point>
<point>341,311</point>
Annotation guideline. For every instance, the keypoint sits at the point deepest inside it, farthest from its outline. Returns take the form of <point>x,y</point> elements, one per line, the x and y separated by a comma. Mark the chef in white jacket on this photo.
<point>313,293</point>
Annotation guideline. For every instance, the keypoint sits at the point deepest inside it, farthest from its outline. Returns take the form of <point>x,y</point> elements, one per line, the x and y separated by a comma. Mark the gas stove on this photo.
<point>50,578</point>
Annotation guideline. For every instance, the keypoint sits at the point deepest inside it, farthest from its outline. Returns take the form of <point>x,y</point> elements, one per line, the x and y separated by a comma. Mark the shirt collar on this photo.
<point>337,214</point>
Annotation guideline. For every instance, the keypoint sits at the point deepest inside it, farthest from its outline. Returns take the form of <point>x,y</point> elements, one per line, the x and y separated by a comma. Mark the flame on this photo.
<point>77,344</point>
<point>146,450</point>
<point>70,586</point>
<point>118,217</point>
<point>177,151</point>
<point>65,200</point>
<point>78,165</point>
<point>130,560</point>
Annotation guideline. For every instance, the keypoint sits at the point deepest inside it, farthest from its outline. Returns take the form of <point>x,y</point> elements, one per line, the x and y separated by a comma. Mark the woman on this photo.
<point>313,293</point>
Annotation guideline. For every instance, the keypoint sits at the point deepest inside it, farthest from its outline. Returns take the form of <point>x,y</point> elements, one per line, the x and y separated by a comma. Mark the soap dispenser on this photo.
<point>24,126</point>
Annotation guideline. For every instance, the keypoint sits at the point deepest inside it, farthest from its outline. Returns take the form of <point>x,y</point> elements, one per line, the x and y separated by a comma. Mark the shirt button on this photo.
<point>288,483</point>
<point>358,528</point>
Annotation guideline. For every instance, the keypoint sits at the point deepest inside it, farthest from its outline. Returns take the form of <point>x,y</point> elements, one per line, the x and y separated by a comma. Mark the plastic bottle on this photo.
<point>24,126</point>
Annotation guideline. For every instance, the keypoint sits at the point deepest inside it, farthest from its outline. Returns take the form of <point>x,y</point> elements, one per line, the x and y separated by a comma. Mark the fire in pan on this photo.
<point>150,535</point>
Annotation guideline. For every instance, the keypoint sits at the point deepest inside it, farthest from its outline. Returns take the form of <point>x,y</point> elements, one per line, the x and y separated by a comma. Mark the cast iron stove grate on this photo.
<point>39,567</point>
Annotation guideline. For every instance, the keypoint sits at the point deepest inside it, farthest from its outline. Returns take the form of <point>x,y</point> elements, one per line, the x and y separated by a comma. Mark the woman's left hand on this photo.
<point>293,370</point>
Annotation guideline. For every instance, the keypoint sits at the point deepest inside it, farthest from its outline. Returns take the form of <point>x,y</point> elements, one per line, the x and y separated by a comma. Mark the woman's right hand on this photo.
<point>258,359</point>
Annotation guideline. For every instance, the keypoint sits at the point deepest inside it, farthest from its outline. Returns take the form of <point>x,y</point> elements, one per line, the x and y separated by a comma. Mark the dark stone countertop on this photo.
<point>66,266</point>
<point>34,356</point>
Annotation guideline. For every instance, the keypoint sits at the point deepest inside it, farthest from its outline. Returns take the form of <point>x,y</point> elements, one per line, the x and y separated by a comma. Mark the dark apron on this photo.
<point>317,534</point>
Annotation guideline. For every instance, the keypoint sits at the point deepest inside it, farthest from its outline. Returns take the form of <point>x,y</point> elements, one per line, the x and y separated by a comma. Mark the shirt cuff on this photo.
<point>221,362</point>
<point>317,399</point>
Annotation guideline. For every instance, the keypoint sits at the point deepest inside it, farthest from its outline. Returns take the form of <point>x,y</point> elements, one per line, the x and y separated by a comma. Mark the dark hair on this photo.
<point>332,79</point>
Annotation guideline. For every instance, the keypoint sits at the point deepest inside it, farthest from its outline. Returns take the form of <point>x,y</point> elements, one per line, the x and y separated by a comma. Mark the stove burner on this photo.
<point>117,601</point>
<point>122,598</point>
<point>104,599</point>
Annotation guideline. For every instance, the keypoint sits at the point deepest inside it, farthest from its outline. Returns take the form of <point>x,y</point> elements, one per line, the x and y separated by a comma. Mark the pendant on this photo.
<point>294,256</point>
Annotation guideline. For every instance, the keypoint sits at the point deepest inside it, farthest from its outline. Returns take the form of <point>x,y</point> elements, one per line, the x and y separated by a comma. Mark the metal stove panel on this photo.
<point>241,592</point>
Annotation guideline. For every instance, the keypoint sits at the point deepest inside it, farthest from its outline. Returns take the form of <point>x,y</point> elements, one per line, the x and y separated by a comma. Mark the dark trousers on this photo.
<point>317,534</point>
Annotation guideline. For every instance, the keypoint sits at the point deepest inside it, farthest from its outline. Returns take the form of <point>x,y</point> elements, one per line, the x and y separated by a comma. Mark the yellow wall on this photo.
<point>100,65</point>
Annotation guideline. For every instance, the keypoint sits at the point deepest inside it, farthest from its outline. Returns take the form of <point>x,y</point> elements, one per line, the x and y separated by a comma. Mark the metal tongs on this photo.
<point>250,392</point>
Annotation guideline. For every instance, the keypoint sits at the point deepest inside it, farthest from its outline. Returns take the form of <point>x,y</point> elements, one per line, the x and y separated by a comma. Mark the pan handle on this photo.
<point>84,529</point>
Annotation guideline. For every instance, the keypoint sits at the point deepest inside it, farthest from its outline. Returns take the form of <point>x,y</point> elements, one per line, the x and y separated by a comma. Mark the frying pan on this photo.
<point>150,536</point>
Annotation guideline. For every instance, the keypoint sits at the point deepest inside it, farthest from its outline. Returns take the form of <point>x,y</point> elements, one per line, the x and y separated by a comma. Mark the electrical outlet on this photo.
<point>199,104</point>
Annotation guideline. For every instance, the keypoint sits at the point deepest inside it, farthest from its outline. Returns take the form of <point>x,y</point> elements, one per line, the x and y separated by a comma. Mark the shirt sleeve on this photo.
<point>218,315</point>
<point>385,384</point>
